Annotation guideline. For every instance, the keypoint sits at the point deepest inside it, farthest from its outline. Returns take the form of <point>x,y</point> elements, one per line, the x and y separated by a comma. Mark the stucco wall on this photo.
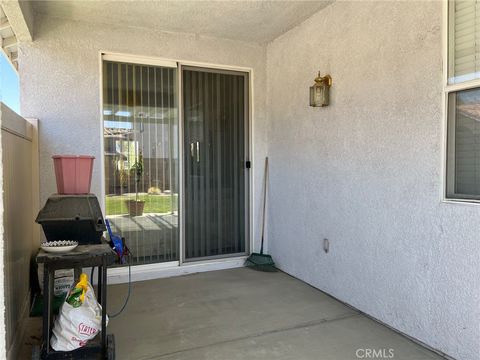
<point>366,172</point>
<point>60,79</point>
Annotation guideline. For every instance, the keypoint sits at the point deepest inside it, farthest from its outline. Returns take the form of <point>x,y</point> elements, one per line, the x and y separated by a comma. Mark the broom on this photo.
<point>261,261</point>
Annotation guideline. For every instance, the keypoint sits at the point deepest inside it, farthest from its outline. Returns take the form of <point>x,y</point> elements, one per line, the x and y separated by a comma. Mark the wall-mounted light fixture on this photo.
<point>319,92</point>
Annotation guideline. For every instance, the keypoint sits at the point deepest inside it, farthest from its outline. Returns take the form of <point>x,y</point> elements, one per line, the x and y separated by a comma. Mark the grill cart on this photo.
<point>102,346</point>
<point>78,218</point>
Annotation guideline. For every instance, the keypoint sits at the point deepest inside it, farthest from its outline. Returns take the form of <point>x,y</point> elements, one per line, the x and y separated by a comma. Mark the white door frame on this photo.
<point>175,268</point>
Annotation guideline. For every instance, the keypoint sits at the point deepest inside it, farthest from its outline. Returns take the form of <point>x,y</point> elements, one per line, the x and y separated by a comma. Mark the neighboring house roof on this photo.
<point>471,111</point>
<point>117,133</point>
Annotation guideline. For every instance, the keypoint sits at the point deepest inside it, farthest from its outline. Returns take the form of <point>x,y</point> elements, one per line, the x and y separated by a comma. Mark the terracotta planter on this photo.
<point>135,208</point>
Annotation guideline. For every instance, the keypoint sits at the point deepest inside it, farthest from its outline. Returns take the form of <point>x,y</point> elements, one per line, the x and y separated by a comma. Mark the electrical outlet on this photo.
<point>326,245</point>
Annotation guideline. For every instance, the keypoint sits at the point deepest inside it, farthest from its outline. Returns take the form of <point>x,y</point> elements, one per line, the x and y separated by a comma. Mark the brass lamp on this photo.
<point>319,92</point>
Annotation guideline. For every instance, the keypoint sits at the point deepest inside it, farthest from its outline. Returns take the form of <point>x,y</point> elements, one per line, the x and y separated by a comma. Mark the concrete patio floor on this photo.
<point>245,314</point>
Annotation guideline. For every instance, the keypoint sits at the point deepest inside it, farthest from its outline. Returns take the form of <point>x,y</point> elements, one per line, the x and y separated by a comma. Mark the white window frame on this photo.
<point>447,89</point>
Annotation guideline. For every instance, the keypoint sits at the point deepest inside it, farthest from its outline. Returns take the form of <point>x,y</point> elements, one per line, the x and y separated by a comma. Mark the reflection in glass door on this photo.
<point>215,117</point>
<point>140,128</point>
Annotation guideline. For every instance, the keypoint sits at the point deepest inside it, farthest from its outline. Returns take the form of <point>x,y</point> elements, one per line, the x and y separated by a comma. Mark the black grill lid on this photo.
<point>68,208</point>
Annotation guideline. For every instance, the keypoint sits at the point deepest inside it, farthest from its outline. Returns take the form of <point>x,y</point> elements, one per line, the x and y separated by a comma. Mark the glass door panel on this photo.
<point>140,129</point>
<point>215,111</point>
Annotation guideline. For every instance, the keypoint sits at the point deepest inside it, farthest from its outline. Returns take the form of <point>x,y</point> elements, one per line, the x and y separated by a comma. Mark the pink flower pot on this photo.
<point>73,173</point>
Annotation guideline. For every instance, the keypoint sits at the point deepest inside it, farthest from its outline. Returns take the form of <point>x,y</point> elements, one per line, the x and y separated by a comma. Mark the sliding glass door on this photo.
<point>142,140</point>
<point>215,120</point>
<point>140,129</point>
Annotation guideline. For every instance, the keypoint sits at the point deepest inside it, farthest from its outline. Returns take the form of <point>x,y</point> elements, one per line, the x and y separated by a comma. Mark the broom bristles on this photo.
<point>261,262</point>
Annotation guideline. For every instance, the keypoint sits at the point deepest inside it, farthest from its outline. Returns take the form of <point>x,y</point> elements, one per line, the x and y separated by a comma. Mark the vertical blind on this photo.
<point>464,41</point>
<point>141,129</point>
<point>215,153</point>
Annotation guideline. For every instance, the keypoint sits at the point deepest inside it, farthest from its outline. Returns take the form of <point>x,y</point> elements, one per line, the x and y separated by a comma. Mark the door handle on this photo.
<point>198,151</point>
<point>192,150</point>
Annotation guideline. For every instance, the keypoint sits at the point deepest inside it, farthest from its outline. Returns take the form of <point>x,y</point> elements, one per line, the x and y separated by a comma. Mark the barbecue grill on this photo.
<point>72,217</point>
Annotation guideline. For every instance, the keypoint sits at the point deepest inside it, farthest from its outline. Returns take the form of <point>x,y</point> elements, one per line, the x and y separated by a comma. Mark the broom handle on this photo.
<point>264,201</point>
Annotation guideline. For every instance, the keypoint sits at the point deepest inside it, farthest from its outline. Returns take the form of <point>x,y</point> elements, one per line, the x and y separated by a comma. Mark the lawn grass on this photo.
<point>115,205</point>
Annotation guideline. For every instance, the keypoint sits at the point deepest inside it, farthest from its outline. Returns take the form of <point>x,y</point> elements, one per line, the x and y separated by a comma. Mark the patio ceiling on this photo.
<point>8,40</point>
<point>16,22</point>
<point>254,21</point>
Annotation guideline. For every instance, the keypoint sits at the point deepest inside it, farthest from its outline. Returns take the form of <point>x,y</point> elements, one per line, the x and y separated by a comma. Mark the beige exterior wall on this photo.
<point>366,172</point>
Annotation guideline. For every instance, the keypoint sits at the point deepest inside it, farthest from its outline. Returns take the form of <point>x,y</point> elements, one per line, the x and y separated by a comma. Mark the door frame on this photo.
<point>159,61</point>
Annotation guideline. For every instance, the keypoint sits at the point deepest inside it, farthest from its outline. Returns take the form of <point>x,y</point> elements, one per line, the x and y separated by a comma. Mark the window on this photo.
<point>463,101</point>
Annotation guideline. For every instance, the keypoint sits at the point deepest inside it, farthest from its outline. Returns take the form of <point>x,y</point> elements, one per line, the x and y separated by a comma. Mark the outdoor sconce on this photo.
<point>319,92</point>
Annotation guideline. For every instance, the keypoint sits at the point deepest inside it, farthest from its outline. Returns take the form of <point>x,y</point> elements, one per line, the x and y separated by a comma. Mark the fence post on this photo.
<point>35,181</point>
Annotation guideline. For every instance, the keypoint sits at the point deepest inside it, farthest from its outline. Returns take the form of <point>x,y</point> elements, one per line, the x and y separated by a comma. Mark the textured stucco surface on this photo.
<point>255,21</point>
<point>366,173</point>
<point>60,79</point>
